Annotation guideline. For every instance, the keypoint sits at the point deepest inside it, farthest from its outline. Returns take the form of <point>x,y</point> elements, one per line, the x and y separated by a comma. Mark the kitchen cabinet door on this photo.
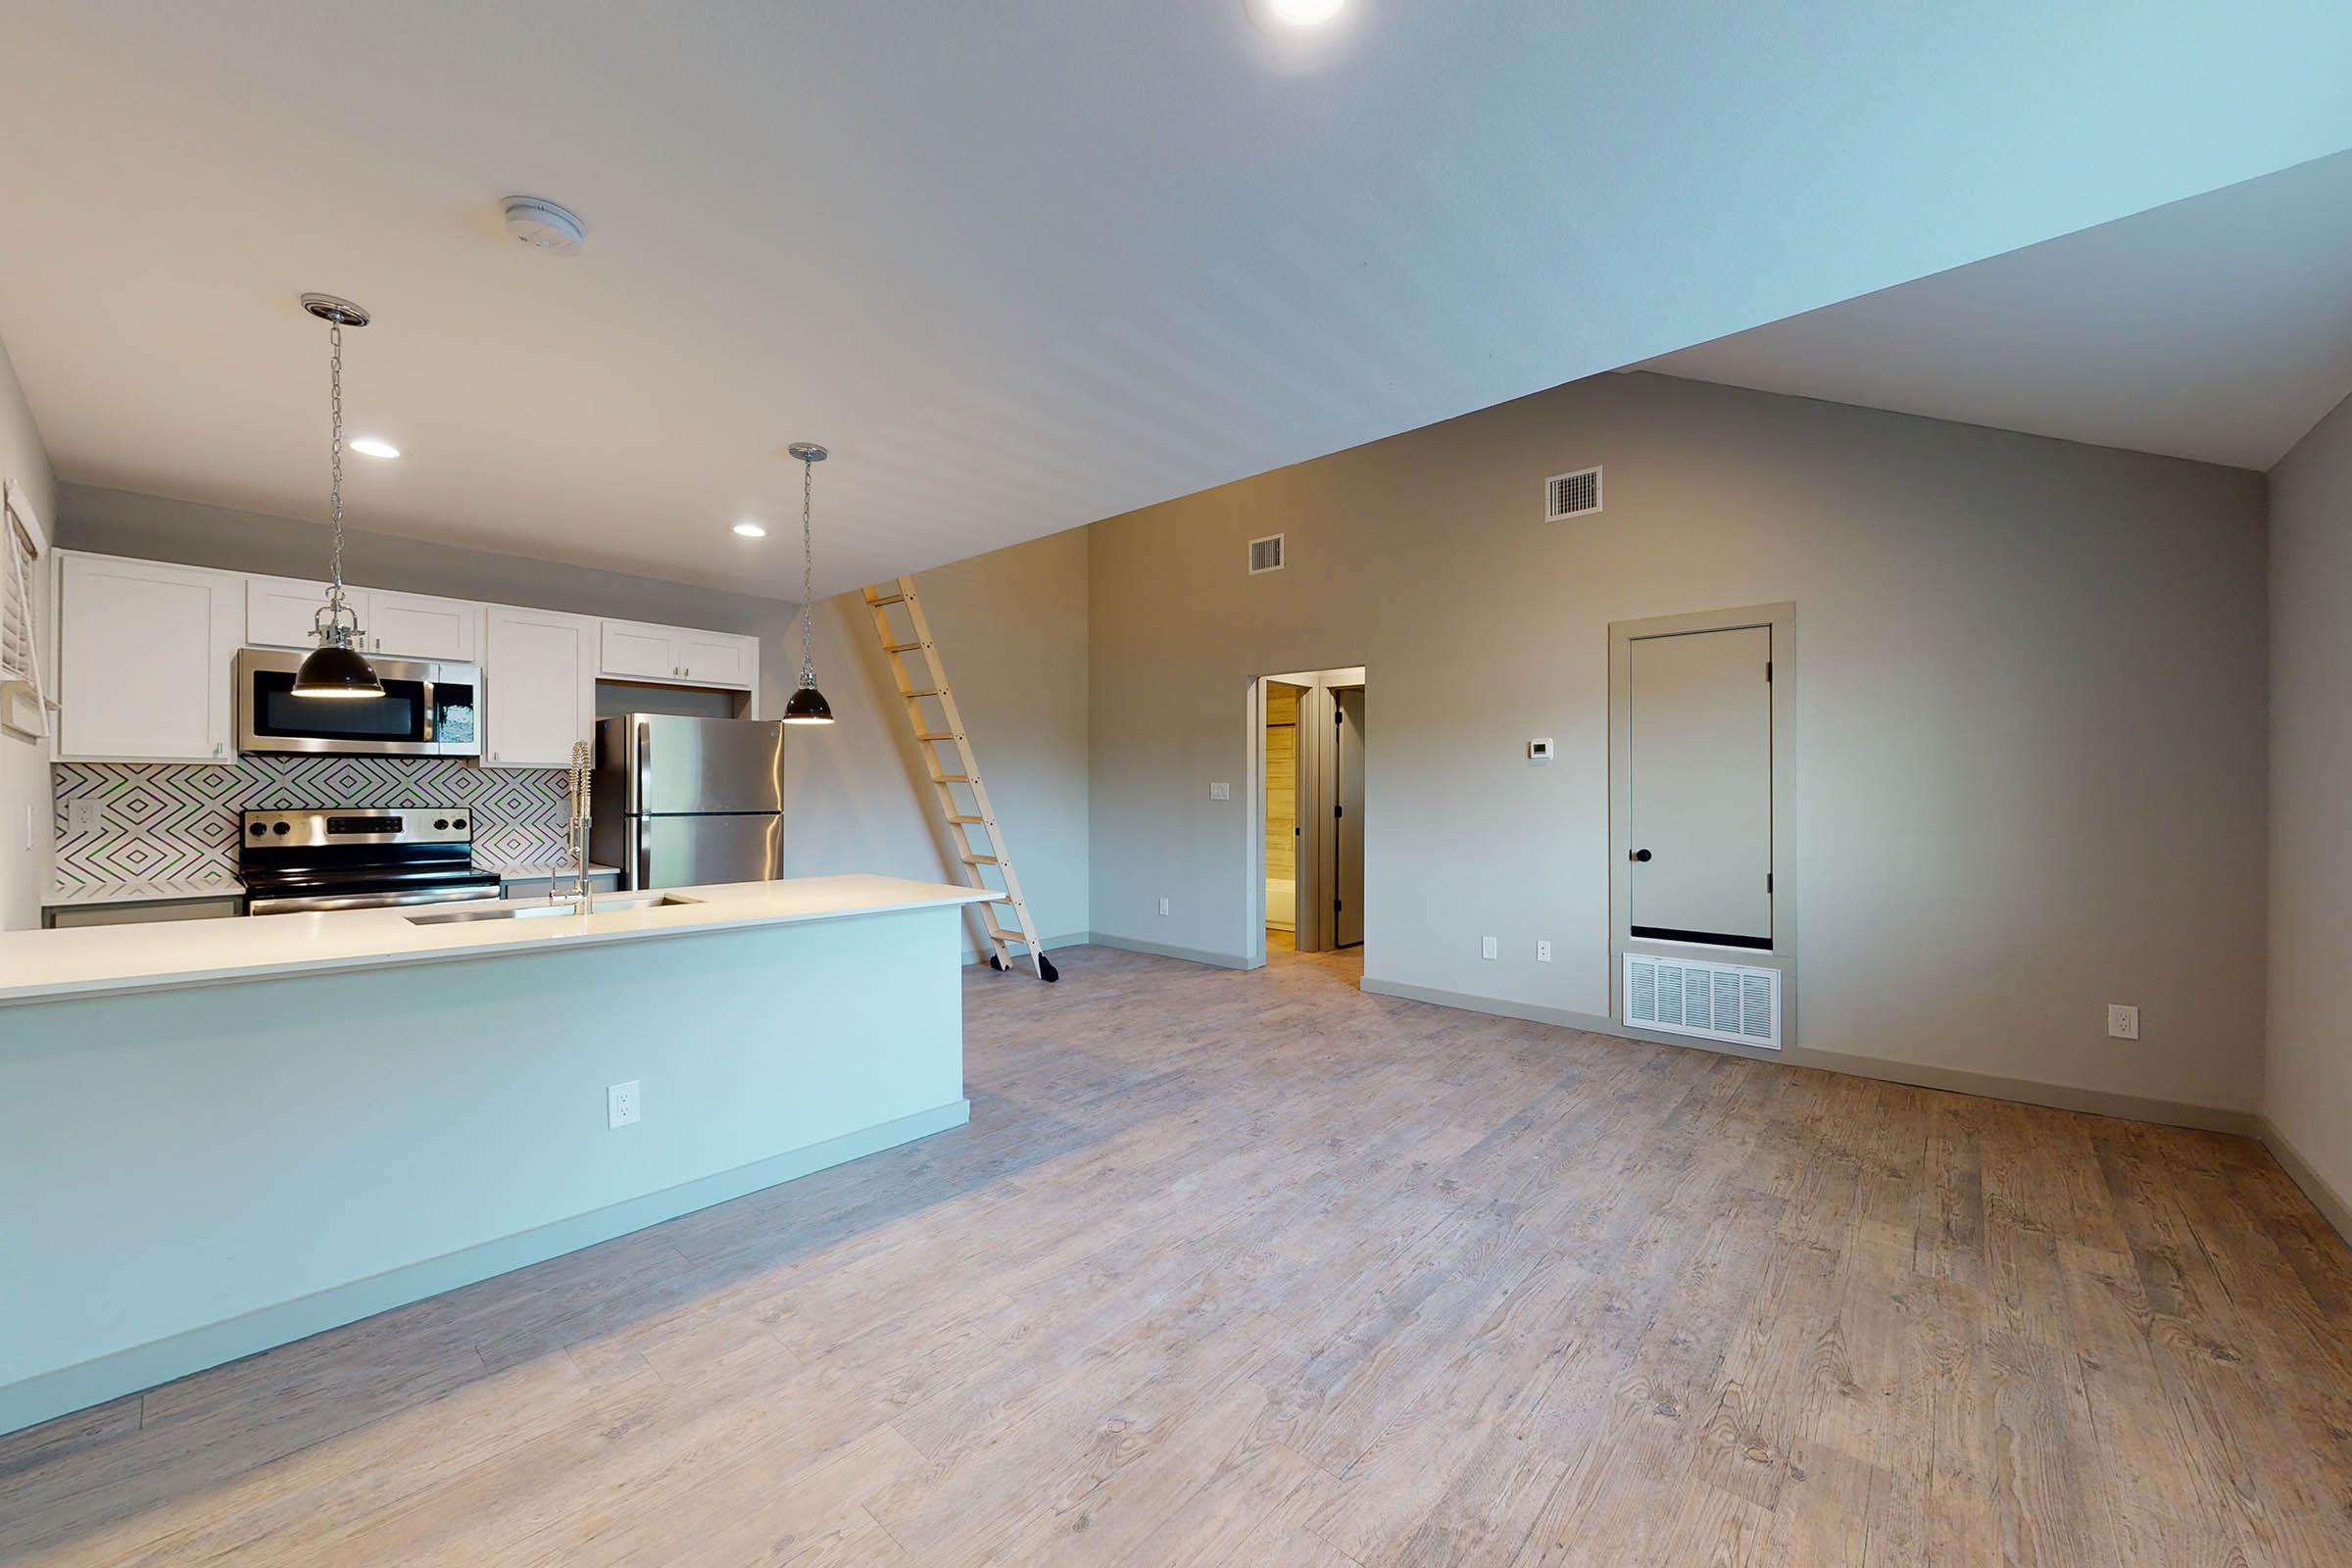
<point>635,652</point>
<point>717,659</point>
<point>420,626</point>
<point>278,611</point>
<point>145,657</point>
<point>539,675</point>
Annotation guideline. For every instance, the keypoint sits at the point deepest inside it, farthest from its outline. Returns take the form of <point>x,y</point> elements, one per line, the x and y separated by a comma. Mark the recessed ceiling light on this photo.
<point>369,446</point>
<point>1294,13</point>
<point>751,530</point>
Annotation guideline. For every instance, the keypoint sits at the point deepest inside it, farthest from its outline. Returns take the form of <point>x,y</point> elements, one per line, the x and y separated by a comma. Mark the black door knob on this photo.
<point>1637,855</point>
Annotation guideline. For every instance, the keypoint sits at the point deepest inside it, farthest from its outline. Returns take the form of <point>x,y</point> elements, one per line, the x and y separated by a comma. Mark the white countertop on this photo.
<point>93,960</point>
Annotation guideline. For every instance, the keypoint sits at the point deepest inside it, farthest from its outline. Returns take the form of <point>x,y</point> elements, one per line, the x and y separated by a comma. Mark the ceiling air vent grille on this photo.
<point>1572,495</point>
<point>1713,1000</point>
<point>1265,554</point>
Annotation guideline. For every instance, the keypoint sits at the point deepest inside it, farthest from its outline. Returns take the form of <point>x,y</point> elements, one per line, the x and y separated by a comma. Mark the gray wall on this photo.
<point>2308,1088</point>
<point>2031,714</point>
<point>24,849</point>
<point>1012,627</point>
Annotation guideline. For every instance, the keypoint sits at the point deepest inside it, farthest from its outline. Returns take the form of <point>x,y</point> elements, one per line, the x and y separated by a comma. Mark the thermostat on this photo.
<point>1540,750</point>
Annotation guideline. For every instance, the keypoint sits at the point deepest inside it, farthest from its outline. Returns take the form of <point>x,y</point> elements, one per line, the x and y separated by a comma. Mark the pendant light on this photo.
<point>335,668</point>
<point>808,704</point>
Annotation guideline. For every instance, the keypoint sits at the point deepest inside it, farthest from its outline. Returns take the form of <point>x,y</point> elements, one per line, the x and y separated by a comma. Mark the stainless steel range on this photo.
<point>303,863</point>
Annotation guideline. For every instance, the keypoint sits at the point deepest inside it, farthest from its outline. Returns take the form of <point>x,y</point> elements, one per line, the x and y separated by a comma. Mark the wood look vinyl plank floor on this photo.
<point>1248,1269</point>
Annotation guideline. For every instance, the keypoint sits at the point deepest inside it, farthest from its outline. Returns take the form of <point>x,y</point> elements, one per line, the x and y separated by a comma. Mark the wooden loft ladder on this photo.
<point>939,734</point>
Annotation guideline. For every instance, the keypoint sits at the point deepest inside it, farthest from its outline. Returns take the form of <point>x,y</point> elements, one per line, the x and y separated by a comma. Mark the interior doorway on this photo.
<point>1309,878</point>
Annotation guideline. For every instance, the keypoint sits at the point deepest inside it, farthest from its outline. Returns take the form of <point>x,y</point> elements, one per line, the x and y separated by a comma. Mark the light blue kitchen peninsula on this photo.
<point>226,1135</point>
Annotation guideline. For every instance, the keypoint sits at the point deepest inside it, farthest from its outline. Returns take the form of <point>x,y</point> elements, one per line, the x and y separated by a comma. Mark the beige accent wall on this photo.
<point>2307,1091</point>
<point>1012,627</point>
<point>2030,713</point>
<point>24,762</point>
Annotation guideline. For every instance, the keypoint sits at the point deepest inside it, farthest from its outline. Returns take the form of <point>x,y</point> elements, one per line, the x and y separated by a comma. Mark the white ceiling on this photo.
<point>2217,327</point>
<point>1023,265</point>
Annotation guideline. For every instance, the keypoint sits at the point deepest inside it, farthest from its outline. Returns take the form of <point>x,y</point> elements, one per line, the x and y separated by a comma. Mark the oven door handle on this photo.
<point>327,902</point>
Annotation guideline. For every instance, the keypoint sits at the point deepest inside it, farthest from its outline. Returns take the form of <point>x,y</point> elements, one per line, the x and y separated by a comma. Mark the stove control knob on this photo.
<point>441,824</point>
<point>281,827</point>
<point>256,830</point>
<point>457,821</point>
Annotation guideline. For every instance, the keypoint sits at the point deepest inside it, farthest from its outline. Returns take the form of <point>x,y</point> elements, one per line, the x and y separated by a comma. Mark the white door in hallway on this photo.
<point>1347,829</point>
<point>1700,728</point>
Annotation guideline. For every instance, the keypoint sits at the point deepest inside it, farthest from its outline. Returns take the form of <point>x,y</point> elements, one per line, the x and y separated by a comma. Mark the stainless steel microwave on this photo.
<point>427,710</point>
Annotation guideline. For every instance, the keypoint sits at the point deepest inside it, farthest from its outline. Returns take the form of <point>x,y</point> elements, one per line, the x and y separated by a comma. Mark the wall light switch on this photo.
<point>1220,792</point>
<point>1543,952</point>
<point>2123,1022</point>
<point>623,1105</point>
<point>1488,948</point>
<point>1163,906</point>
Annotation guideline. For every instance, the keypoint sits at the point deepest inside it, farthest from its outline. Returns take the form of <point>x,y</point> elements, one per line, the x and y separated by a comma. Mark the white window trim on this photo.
<point>25,699</point>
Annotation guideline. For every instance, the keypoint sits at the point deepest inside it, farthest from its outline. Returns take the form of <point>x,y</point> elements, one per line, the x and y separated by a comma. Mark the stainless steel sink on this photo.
<point>605,904</point>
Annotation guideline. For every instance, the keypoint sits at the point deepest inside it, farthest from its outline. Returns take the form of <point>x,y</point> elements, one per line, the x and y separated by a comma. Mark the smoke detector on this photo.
<point>545,227</point>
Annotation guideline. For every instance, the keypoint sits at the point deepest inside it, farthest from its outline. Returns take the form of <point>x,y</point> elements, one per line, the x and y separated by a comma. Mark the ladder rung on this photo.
<point>903,648</point>
<point>951,778</point>
<point>956,817</point>
<point>886,599</point>
<point>924,691</point>
<point>1003,935</point>
<point>982,860</point>
<point>943,735</point>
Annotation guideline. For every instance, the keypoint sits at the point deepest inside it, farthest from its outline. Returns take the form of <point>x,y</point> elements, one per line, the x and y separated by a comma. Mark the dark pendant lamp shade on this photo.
<point>808,705</point>
<point>335,670</point>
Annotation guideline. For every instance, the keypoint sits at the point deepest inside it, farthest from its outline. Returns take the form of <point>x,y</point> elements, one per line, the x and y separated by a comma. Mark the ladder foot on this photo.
<point>996,962</point>
<point>1045,970</point>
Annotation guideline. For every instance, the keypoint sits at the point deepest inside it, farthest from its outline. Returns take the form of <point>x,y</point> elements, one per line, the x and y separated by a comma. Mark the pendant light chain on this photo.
<point>808,576</point>
<point>334,371</point>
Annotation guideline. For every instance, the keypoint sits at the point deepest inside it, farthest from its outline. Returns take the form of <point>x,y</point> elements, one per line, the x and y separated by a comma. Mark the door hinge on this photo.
<point>1339,810</point>
<point>1768,881</point>
<point>1335,906</point>
<point>1768,671</point>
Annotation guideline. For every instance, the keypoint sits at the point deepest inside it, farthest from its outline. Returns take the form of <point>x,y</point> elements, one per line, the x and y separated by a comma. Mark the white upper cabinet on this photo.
<point>717,658</point>
<point>280,613</point>
<point>540,671</point>
<point>145,657</point>
<point>635,650</point>
<point>419,626</point>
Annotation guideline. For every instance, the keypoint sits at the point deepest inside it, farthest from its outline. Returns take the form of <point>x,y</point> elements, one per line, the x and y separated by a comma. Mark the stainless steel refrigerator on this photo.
<point>682,802</point>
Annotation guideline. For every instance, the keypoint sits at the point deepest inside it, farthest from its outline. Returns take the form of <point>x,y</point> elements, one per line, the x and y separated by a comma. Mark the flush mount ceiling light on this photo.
<point>1281,16</point>
<point>751,530</point>
<point>371,446</point>
<point>334,669</point>
<point>808,704</point>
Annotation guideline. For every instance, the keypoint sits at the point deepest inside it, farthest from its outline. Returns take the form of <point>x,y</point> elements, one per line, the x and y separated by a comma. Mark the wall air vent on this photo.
<point>1713,1000</point>
<point>1572,495</point>
<point>1265,554</point>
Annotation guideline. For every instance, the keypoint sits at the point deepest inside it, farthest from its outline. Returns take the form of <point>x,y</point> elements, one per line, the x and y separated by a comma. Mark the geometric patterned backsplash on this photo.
<point>160,822</point>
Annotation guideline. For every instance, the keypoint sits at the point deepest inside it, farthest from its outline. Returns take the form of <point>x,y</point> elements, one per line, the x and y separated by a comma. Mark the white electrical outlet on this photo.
<point>2123,1022</point>
<point>1488,948</point>
<point>1543,952</point>
<point>1220,792</point>
<point>83,817</point>
<point>623,1105</point>
<point>1163,906</point>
